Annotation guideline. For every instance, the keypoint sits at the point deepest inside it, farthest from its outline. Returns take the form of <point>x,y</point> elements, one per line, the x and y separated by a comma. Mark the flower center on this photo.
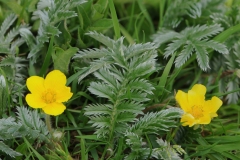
<point>197,111</point>
<point>49,96</point>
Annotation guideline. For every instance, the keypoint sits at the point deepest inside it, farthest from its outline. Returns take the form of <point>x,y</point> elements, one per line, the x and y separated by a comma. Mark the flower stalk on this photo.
<point>48,123</point>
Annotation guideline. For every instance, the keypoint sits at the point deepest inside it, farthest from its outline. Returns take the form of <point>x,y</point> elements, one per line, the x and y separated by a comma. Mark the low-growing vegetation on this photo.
<point>119,79</point>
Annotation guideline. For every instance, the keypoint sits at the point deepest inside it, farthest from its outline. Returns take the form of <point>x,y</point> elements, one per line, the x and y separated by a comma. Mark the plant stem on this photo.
<point>48,122</point>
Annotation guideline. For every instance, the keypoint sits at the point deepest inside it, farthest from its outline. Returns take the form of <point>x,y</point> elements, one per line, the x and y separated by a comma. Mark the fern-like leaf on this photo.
<point>153,123</point>
<point>166,151</point>
<point>102,90</point>
<point>163,36</point>
<point>6,24</point>
<point>98,109</point>
<point>194,39</point>
<point>135,142</point>
<point>180,8</point>
<point>232,85</point>
<point>50,13</point>
<point>202,57</point>
<point>121,81</point>
<point>184,55</point>
<point>9,37</point>
<point>103,39</point>
<point>172,47</point>
<point>4,148</point>
<point>92,53</point>
<point>204,31</point>
<point>35,127</point>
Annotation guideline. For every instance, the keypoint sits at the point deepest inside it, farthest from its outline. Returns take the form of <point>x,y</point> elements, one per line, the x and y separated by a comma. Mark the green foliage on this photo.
<point>62,58</point>
<point>191,11</point>
<point>9,38</point>
<point>3,95</point>
<point>155,123</point>
<point>166,151</point>
<point>12,66</point>
<point>28,124</point>
<point>123,104</point>
<point>50,13</point>
<point>4,148</point>
<point>229,63</point>
<point>122,81</point>
<point>15,70</point>
<point>175,12</point>
<point>191,40</point>
<point>34,127</point>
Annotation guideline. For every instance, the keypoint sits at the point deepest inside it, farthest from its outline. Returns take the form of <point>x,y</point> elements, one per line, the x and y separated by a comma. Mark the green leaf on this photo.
<point>6,24</point>
<point>192,39</point>
<point>65,35</point>
<point>34,151</point>
<point>194,10</point>
<point>163,36</point>
<point>103,39</point>
<point>98,109</point>
<point>202,57</point>
<point>102,90</point>
<point>163,78</point>
<point>106,77</point>
<point>202,32</point>
<point>121,71</point>
<point>61,58</point>
<point>28,37</point>
<point>16,8</point>
<point>138,49</point>
<point>101,24</point>
<point>4,148</point>
<point>92,53</point>
<point>3,94</point>
<point>34,126</point>
<point>216,46</point>
<point>153,123</point>
<point>184,55</point>
<point>172,47</point>
<point>64,15</point>
<point>52,30</point>
<point>84,14</point>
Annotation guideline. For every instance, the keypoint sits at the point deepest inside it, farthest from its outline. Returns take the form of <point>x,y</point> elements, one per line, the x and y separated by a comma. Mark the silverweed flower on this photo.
<point>196,109</point>
<point>48,93</point>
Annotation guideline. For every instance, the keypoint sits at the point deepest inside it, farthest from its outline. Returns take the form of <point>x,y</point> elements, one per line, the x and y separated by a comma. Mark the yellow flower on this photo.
<point>196,109</point>
<point>48,93</point>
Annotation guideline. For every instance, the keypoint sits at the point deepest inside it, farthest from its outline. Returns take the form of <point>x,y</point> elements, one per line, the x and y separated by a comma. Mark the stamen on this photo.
<point>197,111</point>
<point>49,96</point>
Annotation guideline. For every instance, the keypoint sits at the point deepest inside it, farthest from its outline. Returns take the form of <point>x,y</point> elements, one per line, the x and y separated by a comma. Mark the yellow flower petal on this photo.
<point>199,89</point>
<point>55,79</point>
<point>196,95</point>
<point>182,99</point>
<point>197,110</point>
<point>206,119</point>
<point>54,109</point>
<point>35,101</point>
<point>211,106</point>
<point>188,120</point>
<point>35,84</point>
<point>213,115</point>
<point>64,94</point>
<point>195,99</point>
